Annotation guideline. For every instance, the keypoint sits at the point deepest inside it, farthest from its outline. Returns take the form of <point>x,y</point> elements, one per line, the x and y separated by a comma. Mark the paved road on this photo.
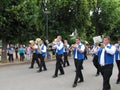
<point>19,77</point>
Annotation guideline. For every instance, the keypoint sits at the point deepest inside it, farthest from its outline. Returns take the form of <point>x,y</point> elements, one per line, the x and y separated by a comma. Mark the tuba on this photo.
<point>38,40</point>
<point>31,42</point>
<point>55,41</point>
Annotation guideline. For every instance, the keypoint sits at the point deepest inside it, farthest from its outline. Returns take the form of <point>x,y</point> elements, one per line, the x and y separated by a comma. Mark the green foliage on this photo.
<point>106,17</point>
<point>23,20</point>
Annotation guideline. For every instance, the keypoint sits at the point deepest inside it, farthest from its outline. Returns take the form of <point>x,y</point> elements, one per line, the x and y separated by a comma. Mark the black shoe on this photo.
<point>107,89</point>
<point>61,74</point>
<point>45,69</point>
<point>30,67</point>
<point>64,66</point>
<point>54,76</point>
<point>68,65</point>
<point>39,71</point>
<point>74,85</point>
<point>97,75</point>
<point>80,81</point>
<point>82,68</point>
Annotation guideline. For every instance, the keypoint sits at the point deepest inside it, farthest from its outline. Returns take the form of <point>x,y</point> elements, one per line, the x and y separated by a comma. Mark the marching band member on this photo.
<point>65,53</point>
<point>54,46</point>
<point>59,53</point>
<point>43,52</point>
<point>106,59</point>
<point>95,57</point>
<point>117,58</point>
<point>34,49</point>
<point>79,57</point>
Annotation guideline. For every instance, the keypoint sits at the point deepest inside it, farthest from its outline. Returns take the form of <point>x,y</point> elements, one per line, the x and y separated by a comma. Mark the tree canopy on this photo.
<point>22,20</point>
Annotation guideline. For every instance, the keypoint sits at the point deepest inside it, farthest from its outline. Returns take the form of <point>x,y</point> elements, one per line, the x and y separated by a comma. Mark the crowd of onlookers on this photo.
<point>20,52</point>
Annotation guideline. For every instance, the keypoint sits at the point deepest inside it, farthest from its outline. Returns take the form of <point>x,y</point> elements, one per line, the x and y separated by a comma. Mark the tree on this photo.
<point>5,23</point>
<point>20,22</point>
<point>106,16</point>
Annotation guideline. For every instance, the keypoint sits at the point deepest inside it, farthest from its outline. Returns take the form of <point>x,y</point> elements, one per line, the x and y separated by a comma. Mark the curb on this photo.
<point>20,63</point>
<point>25,62</point>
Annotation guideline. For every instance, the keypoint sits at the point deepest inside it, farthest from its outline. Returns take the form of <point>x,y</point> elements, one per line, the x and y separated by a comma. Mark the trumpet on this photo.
<point>74,46</point>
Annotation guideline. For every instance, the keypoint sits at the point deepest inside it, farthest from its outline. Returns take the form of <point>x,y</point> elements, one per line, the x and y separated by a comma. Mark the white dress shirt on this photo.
<point>43,48</point>
<point>59,46</point>
<point>119,52</point>
<point>35,47</point>
<point>108,50</point>
<point>82,48</point>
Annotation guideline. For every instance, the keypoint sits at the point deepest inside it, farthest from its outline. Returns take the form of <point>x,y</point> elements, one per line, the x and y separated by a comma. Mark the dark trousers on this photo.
<point>58,65</point>
<point>11,58</point>
<point>85,53</point>
<point>42,62</point>
<point>75,62</point>
<point>118,65</point>
<point>35,58</point>
<point>21,56</point>
<point>66,59</point>
<point>96,64</point>
<point>106,72</point>
<point>79,71</point>
<point>16,54</point>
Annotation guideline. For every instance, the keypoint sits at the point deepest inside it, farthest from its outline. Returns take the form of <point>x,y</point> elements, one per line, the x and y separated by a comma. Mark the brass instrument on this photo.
<point>31,42</point>
<point>65,46</point>
<point>102,45</point>
<point>55,41</point>
<point>71,47</point>
<point>38,40</point>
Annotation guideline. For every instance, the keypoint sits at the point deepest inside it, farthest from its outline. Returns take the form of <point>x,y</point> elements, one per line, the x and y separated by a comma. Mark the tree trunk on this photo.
<point>4,50</point>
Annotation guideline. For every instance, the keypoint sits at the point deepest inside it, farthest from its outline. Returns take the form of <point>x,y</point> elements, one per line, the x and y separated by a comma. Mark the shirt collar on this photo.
<point>108,44</point>
<point>80,43</point>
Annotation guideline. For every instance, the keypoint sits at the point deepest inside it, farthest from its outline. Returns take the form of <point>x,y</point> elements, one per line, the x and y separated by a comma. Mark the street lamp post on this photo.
<point>47,27</point>
<point>46,13</point>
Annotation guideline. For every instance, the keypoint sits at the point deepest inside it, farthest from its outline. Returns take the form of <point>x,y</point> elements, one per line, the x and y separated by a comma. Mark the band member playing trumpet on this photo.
<point>95,57</point>
<point>54,46</point>
<point>78,51</point>
<point>65,53</point>
<point>106,59</point>
<point>59,53</point>
<point>117,58</point>
<point>43,52</point>
<point>34,49</point>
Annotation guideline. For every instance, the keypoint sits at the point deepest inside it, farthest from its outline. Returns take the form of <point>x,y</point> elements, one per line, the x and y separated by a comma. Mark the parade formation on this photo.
<point>60,44</point>
<point>104,54</point>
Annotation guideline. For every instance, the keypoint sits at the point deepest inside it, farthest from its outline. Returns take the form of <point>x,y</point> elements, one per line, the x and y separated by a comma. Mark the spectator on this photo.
<point>21,53</point>
<point>10,53</point>
<point>28,52</point>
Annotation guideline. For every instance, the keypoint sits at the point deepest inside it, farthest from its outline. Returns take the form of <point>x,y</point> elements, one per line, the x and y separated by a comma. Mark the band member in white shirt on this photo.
<point>117,58</point>
<point>78,53</point>
<point>106,59</point>
<point>94,51</point>
<point>34,49</point>
<point>59,53</point>
<point>65,53</point>
<point>43,52</point>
